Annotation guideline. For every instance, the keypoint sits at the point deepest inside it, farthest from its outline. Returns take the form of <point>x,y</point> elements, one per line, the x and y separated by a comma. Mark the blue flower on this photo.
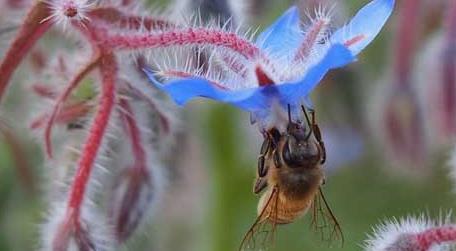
<point>289,65</point>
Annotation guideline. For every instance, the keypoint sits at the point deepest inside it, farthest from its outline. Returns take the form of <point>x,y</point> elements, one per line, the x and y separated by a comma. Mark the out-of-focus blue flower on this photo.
<point>291,62</point>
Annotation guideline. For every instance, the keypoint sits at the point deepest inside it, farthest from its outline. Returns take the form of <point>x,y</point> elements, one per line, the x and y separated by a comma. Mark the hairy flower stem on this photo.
<point>29,32</point>
<point>61,99</point>
<point>190,36</point>
<point>436,236</point>
<point>108,67</point>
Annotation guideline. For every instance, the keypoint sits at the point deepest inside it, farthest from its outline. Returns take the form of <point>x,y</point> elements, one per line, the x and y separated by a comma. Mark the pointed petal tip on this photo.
<point>284,35</point>
<point>292,12</point>
<point>366,24</point>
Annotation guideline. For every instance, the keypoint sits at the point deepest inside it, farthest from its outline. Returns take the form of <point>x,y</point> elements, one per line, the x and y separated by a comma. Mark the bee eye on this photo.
<point>288,153</point>
<point>300,153</point>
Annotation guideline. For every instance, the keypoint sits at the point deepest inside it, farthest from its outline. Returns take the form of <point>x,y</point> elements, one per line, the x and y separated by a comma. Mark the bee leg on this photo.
<point>276,158</point>
<point>317,133</point>
<point>262,167</point>
<point>260,185</point>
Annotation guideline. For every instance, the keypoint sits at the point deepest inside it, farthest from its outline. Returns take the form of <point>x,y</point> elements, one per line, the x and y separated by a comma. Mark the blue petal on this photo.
<point>367,23</point>
<point>260,98</point>
<point>295,93</point>
<point>182,91</point>
<point>284,36</point>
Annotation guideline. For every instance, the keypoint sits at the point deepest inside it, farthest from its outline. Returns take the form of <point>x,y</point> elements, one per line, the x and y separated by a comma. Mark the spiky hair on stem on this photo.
<point>413,233</point>
<point>228,52</point>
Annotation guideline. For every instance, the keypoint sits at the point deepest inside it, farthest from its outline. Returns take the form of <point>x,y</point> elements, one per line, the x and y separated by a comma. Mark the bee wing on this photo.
<point>260,236</point>
<point>324,222</point>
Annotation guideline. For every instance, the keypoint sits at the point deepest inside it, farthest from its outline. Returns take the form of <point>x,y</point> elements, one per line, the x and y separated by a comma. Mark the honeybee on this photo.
<point>290,174</point>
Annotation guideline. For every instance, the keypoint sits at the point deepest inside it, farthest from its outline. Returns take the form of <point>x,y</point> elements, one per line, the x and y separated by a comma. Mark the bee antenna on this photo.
<point>289,113</point>
<point>308,121</point>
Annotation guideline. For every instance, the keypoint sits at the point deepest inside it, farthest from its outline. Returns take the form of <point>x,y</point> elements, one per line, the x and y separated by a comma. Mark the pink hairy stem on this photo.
<point>64,96</point>
<point>108,69</point>
<point>189,36</point>
<point>30,31</point>
<point>123,20</point>
<point>449,71</point>
<point>436,236</point>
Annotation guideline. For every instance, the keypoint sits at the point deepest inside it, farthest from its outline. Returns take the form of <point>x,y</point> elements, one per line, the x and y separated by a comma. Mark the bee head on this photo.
<point>299,149</point>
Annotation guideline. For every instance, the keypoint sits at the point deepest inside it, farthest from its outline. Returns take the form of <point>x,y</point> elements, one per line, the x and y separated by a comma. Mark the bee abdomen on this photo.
<point>286,211</point>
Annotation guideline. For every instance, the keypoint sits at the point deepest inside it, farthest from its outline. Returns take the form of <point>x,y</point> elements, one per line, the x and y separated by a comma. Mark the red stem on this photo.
<point>30,31</point>
<point>97,132</point>
<point>199,36</point>
<point>61,99</point>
